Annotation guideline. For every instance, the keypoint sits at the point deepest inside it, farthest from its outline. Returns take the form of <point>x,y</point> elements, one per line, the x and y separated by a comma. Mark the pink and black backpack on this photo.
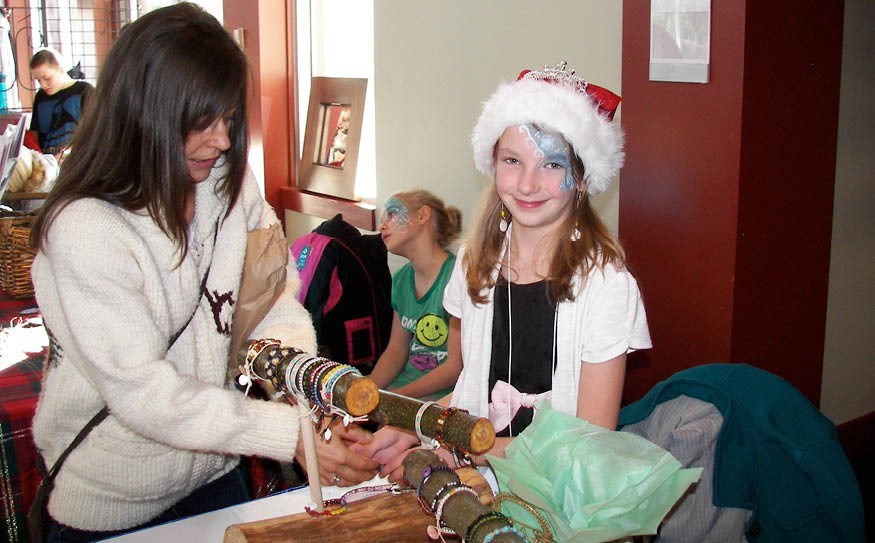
<point>346,286</point>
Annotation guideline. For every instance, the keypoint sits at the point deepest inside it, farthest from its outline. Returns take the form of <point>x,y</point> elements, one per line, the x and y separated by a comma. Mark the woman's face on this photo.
<point>533,176</point>
<point>51,79</point>
<point>204,147</point>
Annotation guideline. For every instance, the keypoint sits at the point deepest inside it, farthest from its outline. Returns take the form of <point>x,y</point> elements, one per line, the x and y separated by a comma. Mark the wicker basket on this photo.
<point>16,255</point>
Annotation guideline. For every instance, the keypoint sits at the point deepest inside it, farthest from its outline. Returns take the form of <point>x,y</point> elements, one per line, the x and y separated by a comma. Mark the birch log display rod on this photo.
<point>322,382</point>
<point>448,426</point>
<point>326,385</point>
<point>456,507</point>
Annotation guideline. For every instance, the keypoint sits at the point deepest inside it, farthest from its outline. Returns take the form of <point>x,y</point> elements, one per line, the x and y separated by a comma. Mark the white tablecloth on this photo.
<point>210,527</point>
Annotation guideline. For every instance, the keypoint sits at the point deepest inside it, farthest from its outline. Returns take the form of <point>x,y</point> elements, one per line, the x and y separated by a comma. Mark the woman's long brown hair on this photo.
<point>171,72</point>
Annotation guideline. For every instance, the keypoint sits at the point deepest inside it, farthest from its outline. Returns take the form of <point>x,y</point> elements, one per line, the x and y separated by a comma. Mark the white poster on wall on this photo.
<point>680,40</point>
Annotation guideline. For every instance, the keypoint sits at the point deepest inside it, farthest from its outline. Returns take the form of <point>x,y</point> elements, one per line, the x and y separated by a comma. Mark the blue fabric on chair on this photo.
<point>776,454</point>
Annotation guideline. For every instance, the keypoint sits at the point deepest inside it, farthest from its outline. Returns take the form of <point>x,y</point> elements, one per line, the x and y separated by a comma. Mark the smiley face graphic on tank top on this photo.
<point>431,330</point>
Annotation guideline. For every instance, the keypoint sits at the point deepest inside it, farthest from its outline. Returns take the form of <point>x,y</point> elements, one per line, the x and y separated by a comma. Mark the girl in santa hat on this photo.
<point>548,309</point>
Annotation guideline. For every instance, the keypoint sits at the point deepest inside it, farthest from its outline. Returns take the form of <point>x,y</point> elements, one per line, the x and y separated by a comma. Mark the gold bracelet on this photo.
<point>255,349</point>
<point>442,420</point>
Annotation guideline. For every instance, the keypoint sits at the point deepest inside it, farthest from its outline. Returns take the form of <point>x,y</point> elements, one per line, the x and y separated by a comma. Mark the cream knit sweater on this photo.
<point>112,294</point>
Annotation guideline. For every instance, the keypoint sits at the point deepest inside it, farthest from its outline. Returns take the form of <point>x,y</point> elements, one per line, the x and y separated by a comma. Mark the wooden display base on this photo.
<point>380,519</point>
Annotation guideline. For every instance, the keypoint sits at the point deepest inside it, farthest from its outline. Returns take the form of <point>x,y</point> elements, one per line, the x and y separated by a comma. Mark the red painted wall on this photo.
<point>789,131</point>
<point>709,216</point>
<point>267,28</point>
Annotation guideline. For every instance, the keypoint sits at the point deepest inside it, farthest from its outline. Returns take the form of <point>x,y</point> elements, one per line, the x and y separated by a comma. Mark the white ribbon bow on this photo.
<point>506,402</point>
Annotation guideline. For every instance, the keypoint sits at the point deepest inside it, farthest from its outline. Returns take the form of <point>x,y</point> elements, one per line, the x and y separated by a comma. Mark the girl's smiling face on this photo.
<point>534,176</point>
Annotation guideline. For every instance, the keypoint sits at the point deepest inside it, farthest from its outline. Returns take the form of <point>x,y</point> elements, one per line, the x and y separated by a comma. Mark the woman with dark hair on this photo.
<point>140,255</point>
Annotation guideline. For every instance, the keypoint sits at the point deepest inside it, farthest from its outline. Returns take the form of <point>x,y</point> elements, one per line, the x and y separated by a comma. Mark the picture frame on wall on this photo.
<point>331,136</point>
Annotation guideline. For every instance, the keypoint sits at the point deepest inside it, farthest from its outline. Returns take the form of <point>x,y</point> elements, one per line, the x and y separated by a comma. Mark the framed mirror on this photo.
<point>331,136</point>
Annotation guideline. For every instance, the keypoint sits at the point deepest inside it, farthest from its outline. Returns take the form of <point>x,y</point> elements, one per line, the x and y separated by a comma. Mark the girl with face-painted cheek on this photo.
<point>417,361</point>
<point>547,309</point>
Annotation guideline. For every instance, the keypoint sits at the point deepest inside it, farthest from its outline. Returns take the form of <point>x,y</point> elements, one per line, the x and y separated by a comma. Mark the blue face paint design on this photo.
<point>553,151</point>
<point>396,210</point>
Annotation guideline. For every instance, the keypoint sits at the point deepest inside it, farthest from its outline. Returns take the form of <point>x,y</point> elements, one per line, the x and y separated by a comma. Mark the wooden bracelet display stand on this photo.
<point>381,519</point>
<point>359,396</point>
<point>454,428</point>
<point>385,517</point>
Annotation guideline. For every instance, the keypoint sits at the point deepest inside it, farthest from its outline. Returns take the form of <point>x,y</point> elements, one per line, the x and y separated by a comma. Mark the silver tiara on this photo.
<point>561,74</point>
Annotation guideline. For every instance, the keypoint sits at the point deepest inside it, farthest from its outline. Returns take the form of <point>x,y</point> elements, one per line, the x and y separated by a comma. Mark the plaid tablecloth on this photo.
<point>19,391</point>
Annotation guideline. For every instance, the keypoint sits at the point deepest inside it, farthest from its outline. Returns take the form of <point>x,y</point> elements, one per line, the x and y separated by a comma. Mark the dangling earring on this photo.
<point>575,233</point>
<point>502,223</point>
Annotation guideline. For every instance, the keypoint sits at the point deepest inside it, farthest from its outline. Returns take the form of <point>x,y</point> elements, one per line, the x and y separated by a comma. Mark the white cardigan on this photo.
<point>112,294</point>
<point>605,320</point>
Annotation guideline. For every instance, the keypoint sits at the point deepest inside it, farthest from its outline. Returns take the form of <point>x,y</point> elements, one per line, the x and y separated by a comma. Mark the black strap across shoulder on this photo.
<point>103,413</point>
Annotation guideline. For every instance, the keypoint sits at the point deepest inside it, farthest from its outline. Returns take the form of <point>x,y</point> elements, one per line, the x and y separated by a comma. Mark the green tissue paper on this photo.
<point>592,484</point>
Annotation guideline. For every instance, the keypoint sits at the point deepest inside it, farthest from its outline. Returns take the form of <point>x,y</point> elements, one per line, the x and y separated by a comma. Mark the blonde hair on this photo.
<point>447,220</point>
<point>596,248</point>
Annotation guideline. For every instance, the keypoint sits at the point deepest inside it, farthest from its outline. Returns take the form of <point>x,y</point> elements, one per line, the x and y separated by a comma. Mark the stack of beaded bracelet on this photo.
<point>441,498</point>
<point>485,518</point>
<point>301,375</point>
<point>255,349</point>
<point>426,473</point>
<point>314,378</point>
<point>460,457</point>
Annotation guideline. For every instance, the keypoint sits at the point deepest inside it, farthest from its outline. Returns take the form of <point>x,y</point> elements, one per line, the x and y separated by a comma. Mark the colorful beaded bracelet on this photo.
<point>344,370</point>
<point>440,503</point>
<point>480,521</point>
<point>336,506</point>
<point>503,530</point>
<point>449,486</point>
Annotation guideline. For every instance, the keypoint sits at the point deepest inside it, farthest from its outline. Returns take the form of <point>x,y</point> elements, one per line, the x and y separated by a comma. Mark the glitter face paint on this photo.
<point>396,211</point>
<point>551,149</point>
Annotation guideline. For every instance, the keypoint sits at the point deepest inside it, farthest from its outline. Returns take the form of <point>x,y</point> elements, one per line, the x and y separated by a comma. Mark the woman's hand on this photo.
<point>336,457</point>
<point>389,447</point>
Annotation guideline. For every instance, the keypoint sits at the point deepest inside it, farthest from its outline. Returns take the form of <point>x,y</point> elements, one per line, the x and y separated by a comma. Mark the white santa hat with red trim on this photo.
<point>556,100</point>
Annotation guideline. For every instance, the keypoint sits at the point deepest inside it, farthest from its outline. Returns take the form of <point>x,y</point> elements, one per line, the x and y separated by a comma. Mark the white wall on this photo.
<point>436,62</point>
<point>848,389</point>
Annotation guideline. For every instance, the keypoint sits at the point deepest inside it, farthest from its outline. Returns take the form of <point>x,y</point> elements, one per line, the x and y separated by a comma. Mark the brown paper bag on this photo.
<point>264,278</point>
